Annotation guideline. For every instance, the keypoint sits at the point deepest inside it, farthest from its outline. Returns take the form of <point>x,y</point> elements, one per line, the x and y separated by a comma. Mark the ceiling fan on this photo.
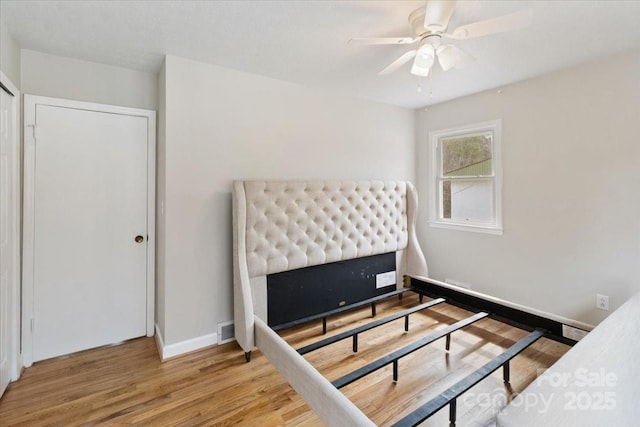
<point>429,25</point>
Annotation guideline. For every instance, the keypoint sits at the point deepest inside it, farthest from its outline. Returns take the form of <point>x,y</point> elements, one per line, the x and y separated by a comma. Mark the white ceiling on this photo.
<point>306,41</point>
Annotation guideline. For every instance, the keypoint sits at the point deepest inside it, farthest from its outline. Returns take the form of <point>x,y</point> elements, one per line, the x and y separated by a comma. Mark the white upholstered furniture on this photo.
<point>593,384</point>
<point>285,225</point>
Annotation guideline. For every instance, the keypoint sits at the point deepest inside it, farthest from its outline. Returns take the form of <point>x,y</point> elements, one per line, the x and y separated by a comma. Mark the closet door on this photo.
<point>8,234</point>
<point>90,228</point>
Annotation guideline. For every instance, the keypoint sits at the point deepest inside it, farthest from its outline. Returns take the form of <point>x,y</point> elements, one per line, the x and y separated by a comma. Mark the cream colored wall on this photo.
<point>9,56</point>
<point>60,77</point>
<point>571,162</point>
<point>223,125</point>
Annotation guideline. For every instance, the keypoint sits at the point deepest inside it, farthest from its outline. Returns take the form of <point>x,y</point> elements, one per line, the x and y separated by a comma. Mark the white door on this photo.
<point>7,203</point>
<point>90,229</point>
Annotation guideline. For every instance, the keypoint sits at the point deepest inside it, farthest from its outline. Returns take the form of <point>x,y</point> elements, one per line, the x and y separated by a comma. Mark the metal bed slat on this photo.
<point>354,332</point>
<point>393,357</point>
<point>450,395</point>
<point>338,310</point>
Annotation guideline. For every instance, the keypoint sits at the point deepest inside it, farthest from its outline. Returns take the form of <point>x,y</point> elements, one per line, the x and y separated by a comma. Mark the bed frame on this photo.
<point>282,226</point>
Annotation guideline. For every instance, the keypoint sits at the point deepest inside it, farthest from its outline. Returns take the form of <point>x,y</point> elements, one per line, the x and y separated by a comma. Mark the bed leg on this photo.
<point>395,371</point>
<point>324,325</point>
<point>452,412</point>
<point>373,309</point>
<point>420,297</point>
<point>355,343</point>
<point>505,372</point>
<point>406,323</point>
<point>447,345</point>
<point>247,356</point>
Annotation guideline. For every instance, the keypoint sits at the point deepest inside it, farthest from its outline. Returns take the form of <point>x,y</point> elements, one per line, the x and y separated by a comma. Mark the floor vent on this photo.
<point>225,332</point>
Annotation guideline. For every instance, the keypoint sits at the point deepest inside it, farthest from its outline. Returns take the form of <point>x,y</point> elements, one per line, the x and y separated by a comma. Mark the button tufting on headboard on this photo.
<point>299,224</point>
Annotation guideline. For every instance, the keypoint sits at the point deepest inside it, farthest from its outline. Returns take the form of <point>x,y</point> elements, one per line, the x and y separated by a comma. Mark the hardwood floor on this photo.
<point>127,384</point>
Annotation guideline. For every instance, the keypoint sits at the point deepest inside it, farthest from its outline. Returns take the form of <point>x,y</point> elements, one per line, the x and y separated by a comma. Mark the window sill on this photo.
<point>488,229</point>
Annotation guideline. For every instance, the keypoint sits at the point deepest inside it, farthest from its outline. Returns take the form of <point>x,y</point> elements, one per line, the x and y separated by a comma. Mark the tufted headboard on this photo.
<point>285,225</point>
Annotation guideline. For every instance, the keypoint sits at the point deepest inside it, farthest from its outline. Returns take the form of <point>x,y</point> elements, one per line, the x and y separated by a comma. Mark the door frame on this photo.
<point>30,136</point>
<point>15,361</point>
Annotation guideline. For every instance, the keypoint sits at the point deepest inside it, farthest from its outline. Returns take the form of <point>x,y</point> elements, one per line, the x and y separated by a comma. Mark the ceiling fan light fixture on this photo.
<point>451,56</point>
<point>424,60</point>
<point>419,71</point>
<point>447,57</point>
<point>425,51</point>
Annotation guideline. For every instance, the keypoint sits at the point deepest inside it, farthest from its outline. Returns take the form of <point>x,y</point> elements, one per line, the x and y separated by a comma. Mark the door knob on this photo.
<point>139,239</point>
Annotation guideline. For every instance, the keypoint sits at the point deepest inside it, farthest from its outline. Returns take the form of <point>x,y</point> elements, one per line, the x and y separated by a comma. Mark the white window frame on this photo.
<point>494,126</point>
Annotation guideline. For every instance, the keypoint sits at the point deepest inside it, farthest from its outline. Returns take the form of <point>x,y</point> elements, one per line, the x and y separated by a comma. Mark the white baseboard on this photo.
<point>182,347</point>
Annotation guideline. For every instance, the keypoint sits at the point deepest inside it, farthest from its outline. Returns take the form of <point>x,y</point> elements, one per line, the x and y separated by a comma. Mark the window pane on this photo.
<point>446,199</point>
<point>467,155</point>
<point>467,200</point>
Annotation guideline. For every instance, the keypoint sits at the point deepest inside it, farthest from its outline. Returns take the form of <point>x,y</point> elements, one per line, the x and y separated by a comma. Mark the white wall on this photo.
<point>571,162</point>
<point>9,56</point>
<point>223,125</point>
<point>60,77</point>
<point>571,218</point>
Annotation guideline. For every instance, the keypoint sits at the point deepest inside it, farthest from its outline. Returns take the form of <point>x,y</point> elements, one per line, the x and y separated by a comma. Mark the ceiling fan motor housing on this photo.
<point>416,19</point>
<point>431,39</point>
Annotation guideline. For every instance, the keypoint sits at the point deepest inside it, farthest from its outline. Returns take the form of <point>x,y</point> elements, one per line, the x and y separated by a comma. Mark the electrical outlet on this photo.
<point>602,302</point>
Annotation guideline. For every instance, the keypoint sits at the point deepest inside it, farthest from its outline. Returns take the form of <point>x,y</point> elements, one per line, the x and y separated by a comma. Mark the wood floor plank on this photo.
<point>127,384</point>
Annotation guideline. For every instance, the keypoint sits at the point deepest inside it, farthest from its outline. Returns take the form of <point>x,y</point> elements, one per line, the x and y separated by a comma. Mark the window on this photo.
<point>465,178</point>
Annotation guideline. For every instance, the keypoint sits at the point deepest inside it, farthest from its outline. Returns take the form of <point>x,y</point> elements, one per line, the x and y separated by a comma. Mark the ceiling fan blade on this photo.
<point>438,14</point>
<point>383,40</point>
<point>500,24</point>
<point>398,63</point>
<point>450,56</point>
<point>424,60</point>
